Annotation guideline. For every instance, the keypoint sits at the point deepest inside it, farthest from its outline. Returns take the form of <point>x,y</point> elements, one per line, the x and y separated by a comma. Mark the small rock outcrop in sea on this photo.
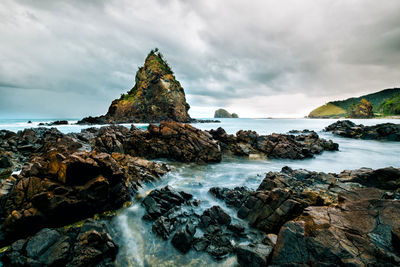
<point>156,96</point>
<point>88,245</point>
<point>384,131</point>
<point>54,123</point>
<point>222,113</point>
<point>364,110</point>
<point>246,143</point>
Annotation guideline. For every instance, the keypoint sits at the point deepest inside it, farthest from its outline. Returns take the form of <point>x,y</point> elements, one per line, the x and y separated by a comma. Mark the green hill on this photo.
<point>390,106</point>
<point>341,108</point>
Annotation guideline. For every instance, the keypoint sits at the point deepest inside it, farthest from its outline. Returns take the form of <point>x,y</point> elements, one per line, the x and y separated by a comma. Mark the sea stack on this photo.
<point>156,96</point>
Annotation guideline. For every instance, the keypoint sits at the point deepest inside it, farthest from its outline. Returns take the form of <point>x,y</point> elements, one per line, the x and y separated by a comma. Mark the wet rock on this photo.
<point>253,255</point>
<point>233,197</point>
<point>214,216</point>
<point>383,131</point>
<point>183,238</point>
<point>41,242</point>
<point>90,245</point>
<point>246,143</point>
<point>55,190</point>
<point>359,231</point>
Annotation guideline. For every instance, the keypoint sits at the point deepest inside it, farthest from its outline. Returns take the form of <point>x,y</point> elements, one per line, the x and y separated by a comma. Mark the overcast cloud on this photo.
<point>256,58</point>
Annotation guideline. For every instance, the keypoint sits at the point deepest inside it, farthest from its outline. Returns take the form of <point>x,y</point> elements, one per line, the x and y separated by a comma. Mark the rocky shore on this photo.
<point>383,131</point>
<point>65,178</point>
<point>295,217</point>
<point>304,218</point>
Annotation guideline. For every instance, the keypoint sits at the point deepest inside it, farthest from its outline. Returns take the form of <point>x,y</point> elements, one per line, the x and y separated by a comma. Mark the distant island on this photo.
<point>382,103</point>
<point>222,113</point>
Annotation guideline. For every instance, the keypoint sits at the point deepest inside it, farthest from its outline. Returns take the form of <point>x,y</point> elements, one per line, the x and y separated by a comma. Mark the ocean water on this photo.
<point>140,247</point>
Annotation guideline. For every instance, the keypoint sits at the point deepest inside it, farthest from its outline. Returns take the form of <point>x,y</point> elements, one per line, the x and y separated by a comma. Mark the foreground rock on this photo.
<point>55,189</point>
<point>156,96</point>
<point>350,218</point>
<point>247,143</point>
<point>89,245</point>
<point>384,131</point>
<point>175,215</point>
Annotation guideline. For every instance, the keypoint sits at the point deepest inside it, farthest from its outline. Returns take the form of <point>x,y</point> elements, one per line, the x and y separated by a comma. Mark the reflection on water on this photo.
<point>139,247</point>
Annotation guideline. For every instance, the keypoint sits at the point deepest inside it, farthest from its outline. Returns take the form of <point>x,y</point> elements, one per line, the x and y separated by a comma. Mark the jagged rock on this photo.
<point>56,189</point>
<point>383,131</point>
<point>253,255</point>
<point>183,238</point>
<point>90,245</point>
<point>357,233</point>
<point>246,143</point>
<point>173,140</point>
<point>157,96</point>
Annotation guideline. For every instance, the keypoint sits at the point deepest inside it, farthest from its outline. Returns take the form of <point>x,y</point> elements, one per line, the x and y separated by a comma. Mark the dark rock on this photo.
<point>359,232</point>
<point>183,238</point>
<point>233,197</point>
<point>246,143</point>
<point>214,216</point>
<point>384,131</point>
<point>253,255</point>
<point>173,140</point>
<point>54,189</point>
<point>41,242</point>
<point>90,245</point>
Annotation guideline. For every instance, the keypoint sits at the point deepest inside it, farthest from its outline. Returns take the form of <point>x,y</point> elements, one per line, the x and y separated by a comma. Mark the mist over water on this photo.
<point>140,247</point>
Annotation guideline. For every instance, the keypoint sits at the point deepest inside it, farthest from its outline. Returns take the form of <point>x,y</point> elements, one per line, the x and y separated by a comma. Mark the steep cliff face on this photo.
<point>156,96</point>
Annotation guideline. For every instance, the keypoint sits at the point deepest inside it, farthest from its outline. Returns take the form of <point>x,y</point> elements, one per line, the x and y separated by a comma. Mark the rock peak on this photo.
<point>156,96</point>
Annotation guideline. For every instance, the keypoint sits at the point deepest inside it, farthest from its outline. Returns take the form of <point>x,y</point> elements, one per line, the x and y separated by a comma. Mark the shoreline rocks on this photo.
<point>245,143</point>
<point>88,245</point>
<point>383,131</point>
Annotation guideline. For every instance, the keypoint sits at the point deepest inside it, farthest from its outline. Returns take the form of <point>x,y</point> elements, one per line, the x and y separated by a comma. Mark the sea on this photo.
<point>140,247</point>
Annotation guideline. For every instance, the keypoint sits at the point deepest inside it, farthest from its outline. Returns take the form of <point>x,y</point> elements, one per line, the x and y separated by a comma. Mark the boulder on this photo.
<point>90,245</point>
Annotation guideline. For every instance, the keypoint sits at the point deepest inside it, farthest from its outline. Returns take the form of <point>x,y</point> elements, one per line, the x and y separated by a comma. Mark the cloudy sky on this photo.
<point>69,59</point>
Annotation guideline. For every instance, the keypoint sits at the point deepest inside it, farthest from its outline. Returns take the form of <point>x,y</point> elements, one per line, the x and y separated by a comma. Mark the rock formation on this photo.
<point>383,131</point>
<point>364,110</point>
<point>246,143</point>
<point>222,113</point>
<point>156,96</point>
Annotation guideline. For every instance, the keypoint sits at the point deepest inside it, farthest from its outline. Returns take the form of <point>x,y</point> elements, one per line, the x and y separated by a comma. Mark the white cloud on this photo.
<point>252,56</point>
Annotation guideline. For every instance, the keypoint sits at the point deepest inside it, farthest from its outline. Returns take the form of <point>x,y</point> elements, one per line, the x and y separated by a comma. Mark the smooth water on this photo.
<point>140,247</point>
